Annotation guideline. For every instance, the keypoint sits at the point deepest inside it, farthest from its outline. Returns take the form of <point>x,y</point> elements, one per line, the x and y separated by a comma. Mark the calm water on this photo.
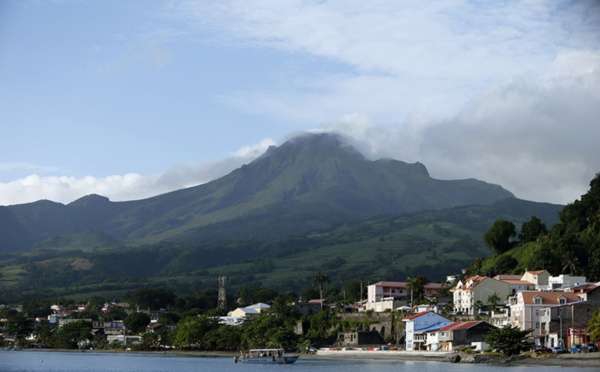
<point>28,361</point>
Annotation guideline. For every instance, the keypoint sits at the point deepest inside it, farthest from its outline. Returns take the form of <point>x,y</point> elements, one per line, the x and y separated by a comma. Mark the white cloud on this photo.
<point>536,137</point>
<point>131,186</point>
<point>399,56</point>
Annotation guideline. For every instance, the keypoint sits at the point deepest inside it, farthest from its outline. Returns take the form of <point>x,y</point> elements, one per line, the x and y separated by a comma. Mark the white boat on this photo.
<point>266,356</point>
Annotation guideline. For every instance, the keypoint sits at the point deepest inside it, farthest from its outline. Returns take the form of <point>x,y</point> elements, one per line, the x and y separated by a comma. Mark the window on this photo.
<point>537,325</point>
<point>562,301</point>
<point>537,313</point>
<point>538,301</point>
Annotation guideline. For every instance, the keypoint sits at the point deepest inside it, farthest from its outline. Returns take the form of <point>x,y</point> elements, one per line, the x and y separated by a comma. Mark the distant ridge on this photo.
<point>306,184</point>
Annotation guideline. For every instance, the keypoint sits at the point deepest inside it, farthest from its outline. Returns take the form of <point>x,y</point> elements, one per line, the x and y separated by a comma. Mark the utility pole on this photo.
<point>222,293</point>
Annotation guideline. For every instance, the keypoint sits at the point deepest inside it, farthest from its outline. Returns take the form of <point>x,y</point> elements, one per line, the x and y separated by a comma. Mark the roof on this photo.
<point>417,315</point>
<point>508,277</point>
<point>538,272</point>
<point>548,298</point>
<point>259,305</point>
<point>423,313</point>
<point>523,282</point>
<point>475,281</point>
<point>389,284</point>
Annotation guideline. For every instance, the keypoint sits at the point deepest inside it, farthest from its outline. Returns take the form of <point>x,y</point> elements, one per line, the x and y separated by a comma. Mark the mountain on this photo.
<point>304,185</point>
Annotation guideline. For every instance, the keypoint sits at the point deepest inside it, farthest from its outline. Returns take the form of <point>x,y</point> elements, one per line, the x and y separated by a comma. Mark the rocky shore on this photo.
<point>564,360</point>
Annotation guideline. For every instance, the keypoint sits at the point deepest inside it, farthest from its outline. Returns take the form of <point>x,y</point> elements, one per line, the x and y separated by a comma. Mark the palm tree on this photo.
<point>493,301</point>
<point>594,326</point>
<point>320,278</point>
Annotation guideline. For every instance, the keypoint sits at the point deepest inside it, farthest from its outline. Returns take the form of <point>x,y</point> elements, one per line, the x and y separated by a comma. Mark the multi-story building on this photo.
<point>557,320</point>
<point>526,308</point>
<point>391,295</point>
<point>477,288</point>
<point>418,325</point>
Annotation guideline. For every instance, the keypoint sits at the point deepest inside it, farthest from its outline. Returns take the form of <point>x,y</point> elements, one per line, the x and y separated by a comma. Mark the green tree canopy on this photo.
<point>509,340</point>
<point>151,298</point>
<point>68,335</point>
<point>499,235</point>
<point>532,229</point>
<point>136,322</point>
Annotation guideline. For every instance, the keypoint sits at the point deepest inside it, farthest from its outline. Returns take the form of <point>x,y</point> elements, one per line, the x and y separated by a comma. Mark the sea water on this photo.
<point>54,361</point>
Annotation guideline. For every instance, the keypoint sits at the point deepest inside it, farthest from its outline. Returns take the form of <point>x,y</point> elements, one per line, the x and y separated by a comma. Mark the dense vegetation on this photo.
<point>433,244</point>
<point>195,321</point>
<point>572,246</point>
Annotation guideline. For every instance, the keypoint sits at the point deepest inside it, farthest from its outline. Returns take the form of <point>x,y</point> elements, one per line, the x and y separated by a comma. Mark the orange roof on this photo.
<point>417,315</point>
<point>516,282</point>
<point>549,298</point>
<point>536,272</point>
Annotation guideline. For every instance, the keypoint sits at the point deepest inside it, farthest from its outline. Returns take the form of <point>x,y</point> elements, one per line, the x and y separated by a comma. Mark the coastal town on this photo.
<point>556,313</point>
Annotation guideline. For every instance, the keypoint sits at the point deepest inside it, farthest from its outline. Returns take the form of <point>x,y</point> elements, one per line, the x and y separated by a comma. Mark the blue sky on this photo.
<point>129,99</point>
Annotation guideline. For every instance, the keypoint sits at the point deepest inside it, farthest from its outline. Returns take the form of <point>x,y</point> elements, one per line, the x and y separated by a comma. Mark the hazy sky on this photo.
<point>129,99</point>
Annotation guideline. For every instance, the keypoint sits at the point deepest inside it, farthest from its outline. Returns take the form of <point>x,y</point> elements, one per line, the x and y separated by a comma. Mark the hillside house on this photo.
<point>477,288</point>
<point>539,279</point>
<point>418,325</point>
<point>392,295</point>
<point>526,307</point>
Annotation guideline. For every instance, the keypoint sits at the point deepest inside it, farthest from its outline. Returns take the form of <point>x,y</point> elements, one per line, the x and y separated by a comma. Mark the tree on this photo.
<point>505,264</point>
<point>416,287</point>
<point>71,334</point>
<point>151,298</point>
<point>498,236</point>
<point>320,278</point>
<point>594,326</point>
<point>509,340</point>
<point>136,322</point>
<point>191,330</point>
<point>19,325</point>
<point>532,229</point>
<point>493,300</point>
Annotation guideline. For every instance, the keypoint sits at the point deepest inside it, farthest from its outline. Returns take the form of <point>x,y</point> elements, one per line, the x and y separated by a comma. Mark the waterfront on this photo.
<point>57,361</point>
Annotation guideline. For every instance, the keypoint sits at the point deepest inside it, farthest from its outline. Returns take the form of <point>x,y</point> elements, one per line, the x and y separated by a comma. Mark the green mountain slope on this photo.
<point>431,243</point>
<point>305,184</point>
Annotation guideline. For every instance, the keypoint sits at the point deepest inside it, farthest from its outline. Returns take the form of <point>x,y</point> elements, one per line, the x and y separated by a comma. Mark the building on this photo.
<point>540,279</point>
<point>391,295</point>
<point>565,281</point>
<point>557,318</point>
<point>526,307</point>
<point>458,334</point>
<point>418,325</point>
<point>356,338</point>
<point>476,289</point>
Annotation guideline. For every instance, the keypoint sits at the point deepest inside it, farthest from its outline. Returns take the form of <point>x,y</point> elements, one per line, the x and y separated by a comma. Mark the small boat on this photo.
<point>266,356</point>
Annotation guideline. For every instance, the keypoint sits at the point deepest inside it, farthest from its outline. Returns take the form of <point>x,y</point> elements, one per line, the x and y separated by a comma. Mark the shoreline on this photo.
<point>561,360</point>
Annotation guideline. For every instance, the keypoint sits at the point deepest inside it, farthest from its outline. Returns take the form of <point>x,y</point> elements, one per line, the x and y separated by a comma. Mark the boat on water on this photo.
<point>265,356</point>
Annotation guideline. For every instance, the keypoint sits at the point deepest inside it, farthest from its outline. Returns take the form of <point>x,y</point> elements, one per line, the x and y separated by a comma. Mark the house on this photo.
<point>587,293</point>
<point>458,334</point>
<point>114,327</point>
<point>565,281</point>
<point>526,307</point>
<point>242,312</point>
<point>476,289</point>
<point>391,295</point>
<point>557,318</point>
<point>518,285</point>
<point>418,325</point>
<point>539,278</point>
<point>307,308</point>
<point>356,338</point>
